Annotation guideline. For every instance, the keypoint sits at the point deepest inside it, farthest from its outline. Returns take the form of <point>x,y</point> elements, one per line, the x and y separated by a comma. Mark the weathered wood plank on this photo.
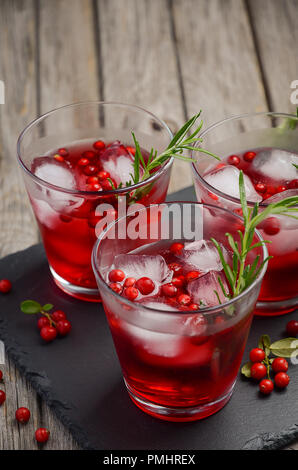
<point>219,65</point>
<point>139,64</point>
<point>276,34</point>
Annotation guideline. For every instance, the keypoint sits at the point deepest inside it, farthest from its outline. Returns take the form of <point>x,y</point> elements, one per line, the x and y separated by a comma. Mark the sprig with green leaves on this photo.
<point>241,274</point>
<point>179,145</point>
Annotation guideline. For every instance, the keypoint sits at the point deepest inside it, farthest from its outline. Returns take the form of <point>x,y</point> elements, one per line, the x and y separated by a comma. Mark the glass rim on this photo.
<point>125,189</point>
<point>208,310</point>
<point>219,123</point>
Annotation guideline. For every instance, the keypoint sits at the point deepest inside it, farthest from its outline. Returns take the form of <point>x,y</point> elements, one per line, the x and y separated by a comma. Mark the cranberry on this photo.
<point>293,184</point>
<point>48,333</point>
<point>292,328</point>
<point>107,185</point>
<point>89,154</point>
<point>94,187</point>
<point>22,415</point>
<point>90,170</point>
<point>42,322</point>
<point>99,145</point>
<point>5,286</point>
<point>145,285</point>
<point>63,327</point>
<point>258,370</point>
<point>1,374</point>
<point>178,281</point>
<point>257,355</point>
<point>176,267</point>
<point>184,299</point>
<point>42,435</point>
<point>83,162</point>
<point>261,187</point>
<point>281,188</point>
<point>271,226</point>
<point>63,152</point>
<point>116,275</point>
<point>129,282</point>
<point>249,156</point>
<point>192,275</point>
<point>116,287</point>
<point>193,307</point>
<point>58,315</point>
<point>131,293</point>
<point>234,160</point>
<point>169,290</point>
<point>2,397</point>
<point>103,175</point>
<point>92,180</point>
<point>266,386</point>
<point>58,158</point>
<point>282,380</point>
<point>131,150</point>
<point>176,248</point>
<point>280,364</point>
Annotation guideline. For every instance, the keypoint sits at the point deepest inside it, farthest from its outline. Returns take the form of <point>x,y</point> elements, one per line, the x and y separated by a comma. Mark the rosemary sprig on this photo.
<point>241,275</point>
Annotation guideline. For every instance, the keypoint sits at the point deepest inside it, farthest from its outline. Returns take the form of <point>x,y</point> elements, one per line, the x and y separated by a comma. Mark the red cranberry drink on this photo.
<point>68,182</point>
<point>179,342</point>
<point>270,176</point>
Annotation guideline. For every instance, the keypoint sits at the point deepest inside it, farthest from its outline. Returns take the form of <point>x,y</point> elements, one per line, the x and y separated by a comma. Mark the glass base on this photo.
<point>82,293</point>
<point>271,309</point>
<point>178,414</point>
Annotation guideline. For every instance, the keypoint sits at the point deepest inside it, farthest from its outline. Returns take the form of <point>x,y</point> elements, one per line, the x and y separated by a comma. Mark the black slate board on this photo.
<point>80,378</point>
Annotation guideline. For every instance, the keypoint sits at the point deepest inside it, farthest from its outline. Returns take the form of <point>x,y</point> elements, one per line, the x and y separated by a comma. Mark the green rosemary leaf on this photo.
<point>243,197</point>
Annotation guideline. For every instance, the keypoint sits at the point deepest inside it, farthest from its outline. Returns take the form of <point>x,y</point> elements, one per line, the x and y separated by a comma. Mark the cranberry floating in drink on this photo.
<point>265,147</point>
<point>178,331</point>
<point>76,158</point>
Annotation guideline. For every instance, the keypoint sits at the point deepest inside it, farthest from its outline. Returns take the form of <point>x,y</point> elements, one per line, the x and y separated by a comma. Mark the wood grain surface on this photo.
<point>173,57</point>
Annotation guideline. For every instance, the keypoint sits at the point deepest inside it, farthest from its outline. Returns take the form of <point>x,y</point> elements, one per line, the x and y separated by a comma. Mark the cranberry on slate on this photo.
<point>23,415</point>
<point>145,285</point>
<point>280,364</point>
<point>58,315</point>
<point>63,327</point>
<point>48,333</point>
<point>1,374</point>
<point>5,286</point>
<point>2,397</point>
<point>292,327</point>
<point>258,371</point>
<point>282,380</point>
<point>42,435</point>
<point>42,322</point>
<point>257,355</point>
<point>266,386</point>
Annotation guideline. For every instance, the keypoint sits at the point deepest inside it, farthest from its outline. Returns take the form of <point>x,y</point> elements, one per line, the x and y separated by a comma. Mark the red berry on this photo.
<point>293,184</point>
<point>92,180</point>
<point>89,154</point>
<point>271,226</point>
<point>58,158</point>
<point>48,333</point>
<point>131,293</point>
<point>131,150</point>
<point>145,285</point>
<point>266,386</point>
<point>58,315</point>
<point>193,307</point>
<point>42,435</point>
<point>22,415</point>
<point>169,290</point>
<point>103,175</point>
<point>184,299</point>
<point>257,355</point>
<point>63,152</point>
<point>116,275</point>
<point>192,275</point>
<point>280,364</point>
<point>281,188</point>
<point>42,322</point>
<point>107,185</point>
<point>176,248</point>
<point>2,397</point>
<point>1,374</point>
<point>249,156</point>
<point>282,380</point>
<point>63,327</point>
<point>234,160</point>
<point>90,170</point>
<point>116,287</point>
<point>94,187</point>
<point>258,370</point>
<point>83,162</point>
<point>261,187</point>
<point>129,282</point>
<point>176,267</point>
<point>292,328</point>
<point>99,145</point>
<point>5,286</point>
<point>178,281</point>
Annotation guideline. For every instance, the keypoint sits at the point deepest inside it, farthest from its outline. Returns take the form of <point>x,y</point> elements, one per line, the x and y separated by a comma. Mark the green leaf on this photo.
<point>30,307</point>
<point>243,197</point>
<point>284,347</point>
<point>264,343</point>
<point>47,307</point>
<point>245,369</point>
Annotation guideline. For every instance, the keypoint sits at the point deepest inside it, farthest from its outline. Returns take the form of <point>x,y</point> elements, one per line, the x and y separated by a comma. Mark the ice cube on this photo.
<point>137,266</point>
<point>287,223</point>
<point>276,164</point>
<point>226,179</point>
<point>202,290</point>
<point>119,163</point>
<point>203,255</point>
<point>51,171</point>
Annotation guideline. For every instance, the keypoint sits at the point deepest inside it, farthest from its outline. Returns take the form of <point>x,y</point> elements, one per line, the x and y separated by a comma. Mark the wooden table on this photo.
<point>171,56</point>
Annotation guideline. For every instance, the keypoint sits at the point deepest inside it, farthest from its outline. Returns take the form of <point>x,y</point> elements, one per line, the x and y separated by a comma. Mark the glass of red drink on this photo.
<point>76,158</point>
<point>265,147</point>
<point>179,342</point>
